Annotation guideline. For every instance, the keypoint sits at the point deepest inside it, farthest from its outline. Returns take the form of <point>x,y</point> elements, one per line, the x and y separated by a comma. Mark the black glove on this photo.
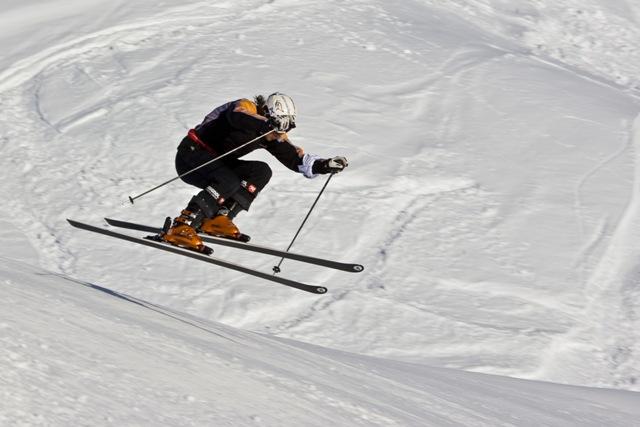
<point>281,124</point>
<point>274,123</point>
<point>333,165</point>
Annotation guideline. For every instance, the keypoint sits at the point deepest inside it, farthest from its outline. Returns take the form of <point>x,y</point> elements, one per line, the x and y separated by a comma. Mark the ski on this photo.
<point>201,257</point>
<point>352,268</point>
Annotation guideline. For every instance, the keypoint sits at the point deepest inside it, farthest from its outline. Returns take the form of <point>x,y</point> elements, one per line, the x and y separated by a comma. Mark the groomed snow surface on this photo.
<point>78,354</point>
<point>492,196</point>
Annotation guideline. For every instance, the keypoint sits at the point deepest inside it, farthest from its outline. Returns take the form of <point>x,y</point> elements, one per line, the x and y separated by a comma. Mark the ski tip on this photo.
<point>321,290</point>
<point>357,268</point>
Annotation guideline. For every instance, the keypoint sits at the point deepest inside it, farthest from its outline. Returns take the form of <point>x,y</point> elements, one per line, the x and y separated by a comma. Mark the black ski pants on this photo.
<point>234,179</point>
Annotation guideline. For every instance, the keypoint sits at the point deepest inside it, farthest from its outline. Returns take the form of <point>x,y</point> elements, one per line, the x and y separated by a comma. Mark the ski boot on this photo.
<point>222,226</point>
<point>182,234</point>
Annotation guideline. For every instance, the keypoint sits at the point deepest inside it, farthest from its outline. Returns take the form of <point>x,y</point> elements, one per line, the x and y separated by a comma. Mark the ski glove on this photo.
<point>333,165</point>
<point>280,124</point>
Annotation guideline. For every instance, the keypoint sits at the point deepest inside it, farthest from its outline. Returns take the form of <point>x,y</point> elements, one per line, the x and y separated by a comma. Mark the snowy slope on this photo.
<point>592,37</point>
<point>75,353</point>
<point>492,191</point>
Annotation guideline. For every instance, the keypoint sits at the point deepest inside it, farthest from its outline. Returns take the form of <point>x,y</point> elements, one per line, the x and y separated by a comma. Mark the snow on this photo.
<point>81,354</point>
<point>491,196</point>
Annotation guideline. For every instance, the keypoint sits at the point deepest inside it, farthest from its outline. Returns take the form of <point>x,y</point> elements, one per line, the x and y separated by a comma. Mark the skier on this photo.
<point>230,185</point>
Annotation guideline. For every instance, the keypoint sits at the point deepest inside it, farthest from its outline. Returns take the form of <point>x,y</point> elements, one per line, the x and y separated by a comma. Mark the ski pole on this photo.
<point>131,199</point>
<point>276,268</point>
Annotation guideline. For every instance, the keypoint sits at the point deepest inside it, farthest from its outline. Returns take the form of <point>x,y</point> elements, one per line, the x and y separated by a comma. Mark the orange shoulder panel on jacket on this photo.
<point>246,106</point>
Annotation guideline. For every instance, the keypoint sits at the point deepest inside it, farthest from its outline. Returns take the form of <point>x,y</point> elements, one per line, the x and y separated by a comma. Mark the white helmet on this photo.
<point>282,110</point>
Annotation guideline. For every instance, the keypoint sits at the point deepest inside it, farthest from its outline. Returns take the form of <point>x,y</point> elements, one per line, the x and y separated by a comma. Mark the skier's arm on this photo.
<point>297,160</point>
<point>287,153</point>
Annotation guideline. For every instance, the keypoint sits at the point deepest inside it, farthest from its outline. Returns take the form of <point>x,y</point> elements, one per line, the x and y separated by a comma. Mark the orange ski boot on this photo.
<point>222,226</point>
<point>182,234</point>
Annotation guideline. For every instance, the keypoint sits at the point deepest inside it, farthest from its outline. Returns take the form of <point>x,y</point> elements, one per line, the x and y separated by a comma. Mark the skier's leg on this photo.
<point>229,187</point>
<point>250,178</point>
<point>205,204</point>
<point>254,176</point>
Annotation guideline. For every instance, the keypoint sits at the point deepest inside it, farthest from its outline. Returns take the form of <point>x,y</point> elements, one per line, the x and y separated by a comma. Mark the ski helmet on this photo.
<point>281,108</point>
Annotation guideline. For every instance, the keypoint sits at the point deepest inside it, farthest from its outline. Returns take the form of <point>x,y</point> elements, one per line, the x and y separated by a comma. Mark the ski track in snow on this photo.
<point>616,282</point>
<point>90,139</point>
<point>24,80</point>
<point>597,238</point>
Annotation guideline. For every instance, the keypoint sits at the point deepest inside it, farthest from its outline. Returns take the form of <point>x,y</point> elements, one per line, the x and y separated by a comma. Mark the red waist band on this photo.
<point>195,138</point>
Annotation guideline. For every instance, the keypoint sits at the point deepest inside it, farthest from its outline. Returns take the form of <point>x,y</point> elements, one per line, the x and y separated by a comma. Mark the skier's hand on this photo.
<point>274,123</point>
<point>333,165</point>
<point>337,164</point>
<point>280,124</point>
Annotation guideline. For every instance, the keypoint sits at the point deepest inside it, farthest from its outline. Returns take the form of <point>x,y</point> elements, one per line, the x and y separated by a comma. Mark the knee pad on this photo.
<point>262,176</point>
<point>246,194</point>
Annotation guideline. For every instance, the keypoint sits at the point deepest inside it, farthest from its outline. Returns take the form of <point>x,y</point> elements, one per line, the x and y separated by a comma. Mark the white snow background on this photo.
<point>492,196</point>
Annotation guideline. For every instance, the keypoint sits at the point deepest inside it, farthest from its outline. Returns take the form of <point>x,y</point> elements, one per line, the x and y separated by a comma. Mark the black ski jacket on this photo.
<point>234,124</point>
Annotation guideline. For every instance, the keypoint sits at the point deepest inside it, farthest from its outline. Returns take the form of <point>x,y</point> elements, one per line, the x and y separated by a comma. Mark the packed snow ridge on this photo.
<point>492,196</point>
<point>76,353</point>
